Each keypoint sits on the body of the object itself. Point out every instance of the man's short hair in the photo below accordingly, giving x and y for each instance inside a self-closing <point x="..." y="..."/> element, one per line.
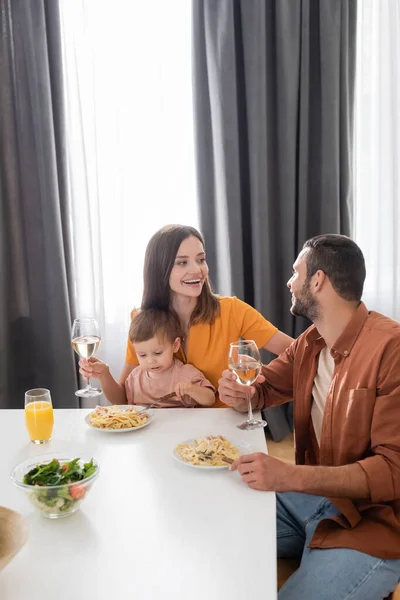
<point x="150" y="323"/>
<point x="341" y="260"/>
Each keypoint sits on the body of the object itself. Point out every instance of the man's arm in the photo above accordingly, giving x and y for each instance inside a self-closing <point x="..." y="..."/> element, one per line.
<point x="348" y="481"/>
<point x="263" y="472"/>
<point x="376" y="477"/>
<point x="273" y="387"/>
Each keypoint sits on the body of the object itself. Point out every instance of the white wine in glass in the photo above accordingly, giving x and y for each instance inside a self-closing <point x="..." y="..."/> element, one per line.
<point x="244" y="360"/>
<point x="85" y="341"/>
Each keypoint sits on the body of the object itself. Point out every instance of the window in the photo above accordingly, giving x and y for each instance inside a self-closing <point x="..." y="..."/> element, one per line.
<point x="127" y="71"/>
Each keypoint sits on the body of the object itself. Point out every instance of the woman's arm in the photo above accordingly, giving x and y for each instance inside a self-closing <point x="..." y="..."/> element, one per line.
<point x="126" y="369"/>
<point x="278" y="343"/>
<point x="113" y="391"/>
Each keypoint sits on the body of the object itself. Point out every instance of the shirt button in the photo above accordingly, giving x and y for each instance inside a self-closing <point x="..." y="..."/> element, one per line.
<point x="346" y="352"/>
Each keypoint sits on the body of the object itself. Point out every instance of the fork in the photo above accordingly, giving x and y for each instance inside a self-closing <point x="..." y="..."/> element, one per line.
<point x="205" y="455"/>
<point x="162" y="399"/>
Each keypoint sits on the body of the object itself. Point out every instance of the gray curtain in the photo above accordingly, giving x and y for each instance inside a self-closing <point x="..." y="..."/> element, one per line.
<point x="35" y="309"/>
<point x="274" y="88"/>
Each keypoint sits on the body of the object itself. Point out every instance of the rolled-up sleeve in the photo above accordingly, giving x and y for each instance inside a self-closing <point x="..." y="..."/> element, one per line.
<point x="380" y="478"/>
<point x="382" y="469"/>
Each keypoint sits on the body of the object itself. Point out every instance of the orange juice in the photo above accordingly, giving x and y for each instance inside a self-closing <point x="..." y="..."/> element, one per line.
<point x="39" y="420"/>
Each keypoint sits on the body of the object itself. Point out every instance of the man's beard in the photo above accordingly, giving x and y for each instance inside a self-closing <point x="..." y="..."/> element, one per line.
<point x="305" y="305"/>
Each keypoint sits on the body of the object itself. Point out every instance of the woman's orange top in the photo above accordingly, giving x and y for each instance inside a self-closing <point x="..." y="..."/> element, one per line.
<point x="208" y="344"/>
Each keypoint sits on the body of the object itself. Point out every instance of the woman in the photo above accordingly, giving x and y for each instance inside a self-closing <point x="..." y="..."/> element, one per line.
<point x="176" y="280"/>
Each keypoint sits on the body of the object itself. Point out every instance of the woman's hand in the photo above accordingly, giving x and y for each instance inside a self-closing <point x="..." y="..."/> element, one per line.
<point x="93" y="367"/>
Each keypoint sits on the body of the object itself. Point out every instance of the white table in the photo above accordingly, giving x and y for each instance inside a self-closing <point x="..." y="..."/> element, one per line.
<point x="150" y="528"/>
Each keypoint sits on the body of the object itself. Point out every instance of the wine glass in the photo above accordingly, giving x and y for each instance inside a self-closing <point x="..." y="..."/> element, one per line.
<point x="39" y="417"/>
<point x="244" y="360"/>
<point x="85" y="341"/>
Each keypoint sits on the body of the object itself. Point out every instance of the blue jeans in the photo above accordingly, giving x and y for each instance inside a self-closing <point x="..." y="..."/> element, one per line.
<point x="328" y="574"/>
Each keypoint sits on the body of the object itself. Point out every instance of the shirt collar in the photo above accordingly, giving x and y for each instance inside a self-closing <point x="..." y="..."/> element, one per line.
<point x="344" y="344"/>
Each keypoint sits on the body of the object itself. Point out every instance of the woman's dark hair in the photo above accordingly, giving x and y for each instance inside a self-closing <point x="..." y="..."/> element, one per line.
<point x="150" y="323"/>
<point x="159" y="259"/>
<point x="341" y="260"/>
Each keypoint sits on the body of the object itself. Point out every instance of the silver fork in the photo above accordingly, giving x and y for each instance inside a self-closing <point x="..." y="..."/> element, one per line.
<point x="205" y="455"/>
<point x="162" y="399"/>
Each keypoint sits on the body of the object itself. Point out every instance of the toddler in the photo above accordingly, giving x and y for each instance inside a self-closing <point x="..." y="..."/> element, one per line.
<point x="155" y="336"/>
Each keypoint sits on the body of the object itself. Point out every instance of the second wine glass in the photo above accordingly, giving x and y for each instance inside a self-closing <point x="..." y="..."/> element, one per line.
<point x="245" y="362"/>
<point x="85" y="341"/>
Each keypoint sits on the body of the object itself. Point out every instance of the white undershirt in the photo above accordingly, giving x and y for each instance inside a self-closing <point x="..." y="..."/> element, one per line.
<point x="322" y="381"/>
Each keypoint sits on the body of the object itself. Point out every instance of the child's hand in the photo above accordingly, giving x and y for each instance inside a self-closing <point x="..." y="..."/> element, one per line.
<point x="93" y="367"/>
<point x="183" y="388"/>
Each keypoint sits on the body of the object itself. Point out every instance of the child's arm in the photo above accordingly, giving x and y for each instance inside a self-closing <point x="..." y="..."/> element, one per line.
<point x="113" y="391"/>
<point x="202" y="395"/>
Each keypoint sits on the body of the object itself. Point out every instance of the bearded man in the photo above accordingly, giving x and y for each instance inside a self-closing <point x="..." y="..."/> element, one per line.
<point x="338" y="507"/>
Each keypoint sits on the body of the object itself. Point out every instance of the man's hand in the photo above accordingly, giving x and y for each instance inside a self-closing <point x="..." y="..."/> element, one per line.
<point x="263" y="472"/>
<point x="233" y="393"/>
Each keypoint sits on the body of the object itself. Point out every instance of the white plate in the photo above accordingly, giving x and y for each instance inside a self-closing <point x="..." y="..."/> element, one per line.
<point x="149" y="413"/>
<point x="241" y="446"/>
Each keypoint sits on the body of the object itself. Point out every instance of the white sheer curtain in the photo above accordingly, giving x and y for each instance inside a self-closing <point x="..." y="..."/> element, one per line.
<point x="127" y="69"/>
<point x="377" y="151"/>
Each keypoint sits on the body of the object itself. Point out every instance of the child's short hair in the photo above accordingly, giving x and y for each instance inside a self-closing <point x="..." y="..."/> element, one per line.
<point x="151" y="322"/>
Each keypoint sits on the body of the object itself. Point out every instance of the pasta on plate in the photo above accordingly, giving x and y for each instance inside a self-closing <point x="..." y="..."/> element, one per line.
<point x="116" y="417"/>
<point x="211" y="451"/>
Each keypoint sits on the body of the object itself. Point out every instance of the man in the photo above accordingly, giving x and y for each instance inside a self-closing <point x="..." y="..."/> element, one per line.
<point x="338" y="508"/>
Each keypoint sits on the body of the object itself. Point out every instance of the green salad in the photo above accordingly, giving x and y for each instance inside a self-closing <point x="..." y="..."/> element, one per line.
<point x="67" y="476"/>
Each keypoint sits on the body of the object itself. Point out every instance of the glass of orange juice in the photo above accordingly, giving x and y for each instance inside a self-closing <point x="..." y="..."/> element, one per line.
<point x="39" y="416"/>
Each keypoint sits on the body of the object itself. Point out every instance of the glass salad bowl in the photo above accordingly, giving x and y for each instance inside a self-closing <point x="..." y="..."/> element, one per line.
<point x="55" y="485"/>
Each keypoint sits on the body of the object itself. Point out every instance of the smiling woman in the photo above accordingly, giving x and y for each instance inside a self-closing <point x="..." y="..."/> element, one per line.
<point x="176" y="276"/>
<point x="176" y="281"/>
<point x="182" y="270"/>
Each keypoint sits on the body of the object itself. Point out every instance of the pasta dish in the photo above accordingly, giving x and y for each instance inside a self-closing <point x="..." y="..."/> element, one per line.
<point x="113" y="417"/>
<point x="208" y="451"/>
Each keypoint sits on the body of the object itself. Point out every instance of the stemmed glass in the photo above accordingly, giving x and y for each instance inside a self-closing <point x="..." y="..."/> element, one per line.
<point x="85" y="341"/>
<point x="244" y="360"/>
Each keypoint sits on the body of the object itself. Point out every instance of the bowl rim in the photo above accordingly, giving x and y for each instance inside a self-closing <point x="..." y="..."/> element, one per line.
<point x="43" y="458"/>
